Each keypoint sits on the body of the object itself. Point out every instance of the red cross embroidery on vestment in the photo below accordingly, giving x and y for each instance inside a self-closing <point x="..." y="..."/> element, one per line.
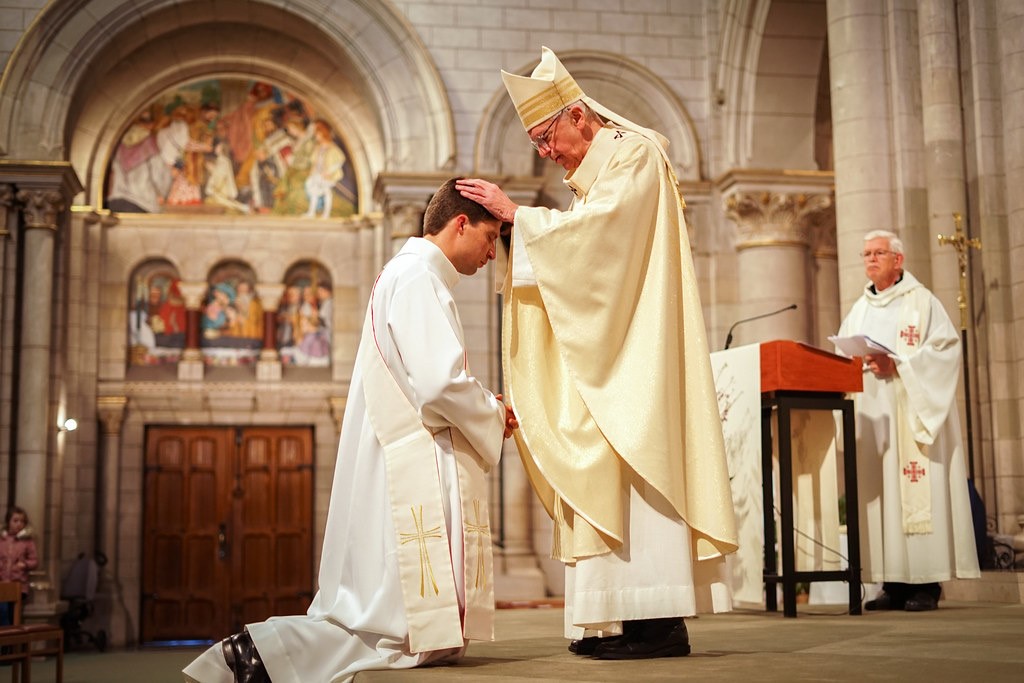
<point x="915" y="472"/>
<point x="911" y="335"/>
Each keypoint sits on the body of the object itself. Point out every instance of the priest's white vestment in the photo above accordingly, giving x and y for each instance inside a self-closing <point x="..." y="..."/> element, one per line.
<point x="608" y="371"/>
<point x="357" y="621"/>
<point x="915" y="514"/>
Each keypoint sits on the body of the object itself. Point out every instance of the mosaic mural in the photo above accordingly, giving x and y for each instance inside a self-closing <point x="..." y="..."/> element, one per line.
<point x="231" y="324"/>
<point x="305" y="316"/>
<point x="230" y="146"/>
<point x="156" y="316"/>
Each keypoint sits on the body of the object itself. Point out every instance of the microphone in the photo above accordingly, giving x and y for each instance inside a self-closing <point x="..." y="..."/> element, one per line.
<point x="728" y="337"/>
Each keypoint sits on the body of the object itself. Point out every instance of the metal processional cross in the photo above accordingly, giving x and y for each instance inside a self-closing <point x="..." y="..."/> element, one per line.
<point x="959" y="241"/>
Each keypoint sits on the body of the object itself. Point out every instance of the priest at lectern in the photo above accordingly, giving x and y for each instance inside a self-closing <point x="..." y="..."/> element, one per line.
<point x="915" y="515"/>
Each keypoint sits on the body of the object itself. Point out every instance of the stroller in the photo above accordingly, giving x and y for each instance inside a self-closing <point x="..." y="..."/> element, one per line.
<point x="79" y="590"/>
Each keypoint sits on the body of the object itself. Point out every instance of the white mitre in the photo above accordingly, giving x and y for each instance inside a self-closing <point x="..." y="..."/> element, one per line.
<point x="550" y="89"/>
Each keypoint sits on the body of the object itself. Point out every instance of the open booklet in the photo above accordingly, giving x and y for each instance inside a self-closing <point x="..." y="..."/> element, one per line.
<point x="859" y="345"/>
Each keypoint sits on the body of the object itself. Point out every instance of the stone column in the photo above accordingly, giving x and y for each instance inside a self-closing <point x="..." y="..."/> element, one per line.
<point x="44" y="191"/>
<point x="861" y="131"/>
<point x="190" y="367"/>
<point x="1008" y="405"/>
<point x="943" y="141"/>
<point x="35" y="427"/>
<point x="824" y="255"/>
<point x="110" y="411"/>
<point x="268" y="367"/>
<point x="776" y="213"/>
<point x="8" y="254"/>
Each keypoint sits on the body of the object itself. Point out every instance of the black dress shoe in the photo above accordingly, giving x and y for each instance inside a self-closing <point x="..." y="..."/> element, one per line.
<point x="652" y="638"/>
<point x="884" y="601"/>
<point x="585" y="646"/>
<point x="921" y="602"/>
<point x="243" y="659"/>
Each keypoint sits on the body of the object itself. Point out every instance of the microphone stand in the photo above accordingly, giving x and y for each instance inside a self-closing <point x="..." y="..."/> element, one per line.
<point x="728" y="337"/>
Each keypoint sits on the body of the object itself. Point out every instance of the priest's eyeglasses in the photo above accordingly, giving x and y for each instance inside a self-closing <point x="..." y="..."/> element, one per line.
<point x="542" y="139"/>
<point x="877" y="253"/>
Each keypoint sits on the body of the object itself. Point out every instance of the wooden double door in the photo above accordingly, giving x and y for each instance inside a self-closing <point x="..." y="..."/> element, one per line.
<point x="227" y="522"/>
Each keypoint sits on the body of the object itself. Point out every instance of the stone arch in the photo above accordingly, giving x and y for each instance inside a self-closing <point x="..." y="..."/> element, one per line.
<point x="74" y="79"/>
<point x="136" y="265"/>
<point x="773" y="56"/>
<point x="616" y="82"/>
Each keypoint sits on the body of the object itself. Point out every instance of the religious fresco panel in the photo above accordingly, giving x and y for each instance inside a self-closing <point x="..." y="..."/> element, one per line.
<point x="156" y="315"/>
<point x="305" y="317"/>
<point x="231" y="324"/>
<point x="231" y="146"/>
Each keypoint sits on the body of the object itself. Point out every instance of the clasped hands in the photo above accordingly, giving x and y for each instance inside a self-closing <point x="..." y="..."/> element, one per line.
<point x="510" y="418"/>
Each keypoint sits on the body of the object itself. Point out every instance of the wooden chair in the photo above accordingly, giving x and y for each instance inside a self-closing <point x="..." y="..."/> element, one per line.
<point x="19" y="638"/>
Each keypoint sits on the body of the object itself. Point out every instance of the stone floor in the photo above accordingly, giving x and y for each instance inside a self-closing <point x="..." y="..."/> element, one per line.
<point x="962" y="641"/>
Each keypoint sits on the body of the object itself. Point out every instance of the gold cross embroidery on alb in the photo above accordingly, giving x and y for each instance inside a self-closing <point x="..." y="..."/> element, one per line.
<point x="481" y="530"/>
<point x="421" y="536"/>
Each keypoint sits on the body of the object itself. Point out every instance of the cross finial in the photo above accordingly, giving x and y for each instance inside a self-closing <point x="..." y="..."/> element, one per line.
<point x="959" y="241"/>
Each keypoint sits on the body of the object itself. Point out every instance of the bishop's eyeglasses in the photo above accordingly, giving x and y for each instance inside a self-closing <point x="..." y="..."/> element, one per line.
<point x="875" y="253"/>
<point x="542" y="139"/>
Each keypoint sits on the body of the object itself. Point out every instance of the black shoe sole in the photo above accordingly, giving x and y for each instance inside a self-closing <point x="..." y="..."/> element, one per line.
<point x="679" y="650"/>
<point x="585" y="647"/>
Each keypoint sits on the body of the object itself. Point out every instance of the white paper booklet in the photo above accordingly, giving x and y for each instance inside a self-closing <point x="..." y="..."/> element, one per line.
<point x="860" y="345"/>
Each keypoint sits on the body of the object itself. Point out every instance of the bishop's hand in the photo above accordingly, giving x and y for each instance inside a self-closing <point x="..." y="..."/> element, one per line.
<point x="489" y="196"/>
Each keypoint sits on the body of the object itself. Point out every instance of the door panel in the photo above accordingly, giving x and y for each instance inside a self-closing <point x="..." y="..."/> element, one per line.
<point x="227" y="529"/>
<point x="275" y="523"/>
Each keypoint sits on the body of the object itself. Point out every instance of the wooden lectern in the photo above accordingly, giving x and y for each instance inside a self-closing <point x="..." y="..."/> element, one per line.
<point x="795" y="376"/>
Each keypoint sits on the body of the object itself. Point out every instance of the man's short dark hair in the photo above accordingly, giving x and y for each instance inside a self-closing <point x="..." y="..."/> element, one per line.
<point x="446" y="204"/>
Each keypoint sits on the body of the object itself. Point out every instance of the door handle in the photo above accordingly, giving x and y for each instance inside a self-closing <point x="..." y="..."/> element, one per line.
<point x="222" y="541"/>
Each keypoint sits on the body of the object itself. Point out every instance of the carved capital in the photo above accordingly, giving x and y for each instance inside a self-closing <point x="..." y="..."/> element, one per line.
<point x="405" y="219"/>
<point x="192" y="293"/>
<point x="269" y="294"/>
<point x="110" y="411"/>
<point x="41" y="207"/>
<point x="403" y="198"/>
<point x="776" y="218"/>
